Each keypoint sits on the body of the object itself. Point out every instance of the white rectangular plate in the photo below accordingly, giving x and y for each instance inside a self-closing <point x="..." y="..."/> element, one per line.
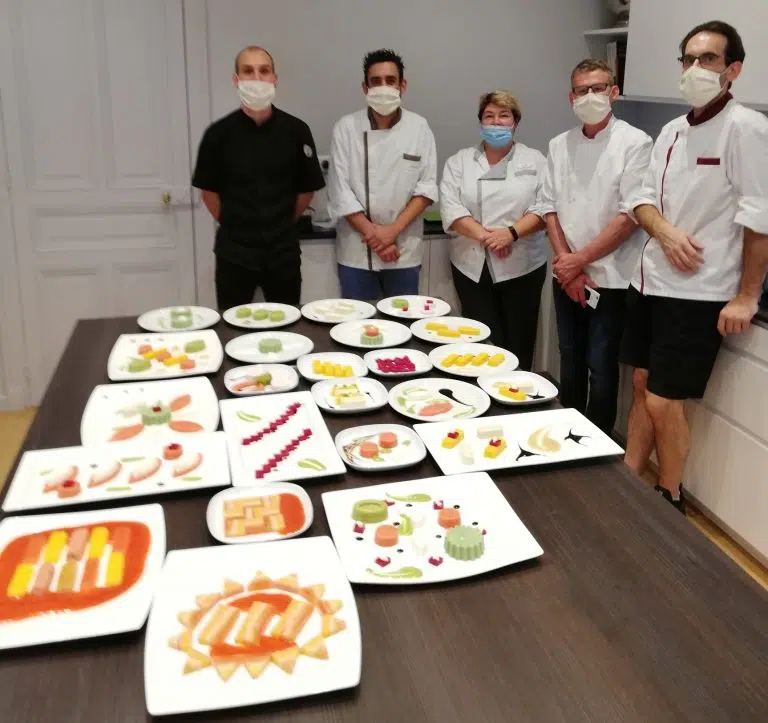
<point x="251" y="416"/>
<point x="126" y="351"/>
<point x="415" y="509"/>
<point x="111" y="472"/>
<point x="532" y="438"/>
<point x="291" y="567"/>
<point x="123" y="612"/>
<point x="122" y="412"/>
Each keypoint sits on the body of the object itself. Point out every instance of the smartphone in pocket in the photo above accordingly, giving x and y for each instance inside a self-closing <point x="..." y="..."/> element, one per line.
<point x="593" y="296"/>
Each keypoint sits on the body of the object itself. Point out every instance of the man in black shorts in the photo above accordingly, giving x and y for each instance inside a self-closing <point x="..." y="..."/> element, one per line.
<point x="258" y="170"/>
<point x="704" y="206"/>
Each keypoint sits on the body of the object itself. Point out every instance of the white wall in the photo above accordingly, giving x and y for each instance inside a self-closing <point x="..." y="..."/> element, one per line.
<point x="453" y="50"/>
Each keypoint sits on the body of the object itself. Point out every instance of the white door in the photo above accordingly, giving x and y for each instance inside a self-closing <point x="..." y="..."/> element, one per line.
<point x="95" y="116"/>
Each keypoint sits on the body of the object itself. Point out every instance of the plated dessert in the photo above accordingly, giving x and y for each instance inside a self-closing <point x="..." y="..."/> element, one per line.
<point x="413" y="307"/>
<point x="379" y="333"/>
<point x="436" y="399"/>
<point x="262" y="315"/>
<point x="379" y="447"/>
<point x="335" y="311"/>
<point x="178" y="318"/>
<point x="261" y="379"/>
<point x="349" y="395"/>
<point x="472" y="360"/>
<point x="331" y="365"/>
<point x="450" y="330"/>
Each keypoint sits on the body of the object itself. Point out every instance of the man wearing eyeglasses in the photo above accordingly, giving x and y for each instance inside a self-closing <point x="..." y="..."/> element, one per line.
<point x="704" y="207"/>
<point x="594" y="175"/>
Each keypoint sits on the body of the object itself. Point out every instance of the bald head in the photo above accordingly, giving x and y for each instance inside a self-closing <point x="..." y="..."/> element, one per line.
<point x="256" y="57"/>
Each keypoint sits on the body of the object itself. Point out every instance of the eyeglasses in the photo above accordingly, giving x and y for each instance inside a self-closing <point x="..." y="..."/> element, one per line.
<point x="706" y="60"/>
<point x="582" y="90"/>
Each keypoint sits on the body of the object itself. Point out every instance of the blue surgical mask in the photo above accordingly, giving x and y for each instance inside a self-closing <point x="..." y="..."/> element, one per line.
<point x="497" y="136"/>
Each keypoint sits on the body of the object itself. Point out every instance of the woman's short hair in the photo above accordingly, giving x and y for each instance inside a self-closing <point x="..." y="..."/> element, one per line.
<point x="503" y="99"/>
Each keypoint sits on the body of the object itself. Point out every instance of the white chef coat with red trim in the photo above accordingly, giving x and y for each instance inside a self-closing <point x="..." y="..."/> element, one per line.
<point x="709" y="177"/>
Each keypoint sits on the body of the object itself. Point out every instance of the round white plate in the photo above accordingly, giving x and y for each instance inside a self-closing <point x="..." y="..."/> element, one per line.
<point x="349" y="333"/>
<point x="417" y="307"/>
<point x="420" y="361"/>
<point x="410" y="398"/>
<point x="438" y="355"/>
<point x="304" y="364"/>
<point x="292" y="314"/>
<point x="410" y="449"/>
<point x="538" y="390"/>
<point x="374" y="393"/>
<point x="246" y="348"/>
<point x="420" y="330"/>
<point x="284" y="378"/>
<point x="334" y="311"/>
<point x="159" y="320"/>
<point x="214" y="515"/>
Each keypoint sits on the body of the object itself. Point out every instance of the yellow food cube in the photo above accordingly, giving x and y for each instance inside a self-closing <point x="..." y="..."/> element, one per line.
<point x="469" y="330"/>
<point x="115" y="569"/>
<point x="492" y="451"/>
<point x="337" y="370"/>
<point x="347" y="372"/>
<point x="154" y="353"/>
<point x="328" y="369"/>
<point x="98" y="541"/>
<point x="317" y="366"/>
<point x="435" y="326"/>
<point x="170" y="361"/>
<point x="449" y="361"/>
<point x="449" y="333"/>
<point x="479" y="360"/>
<point x="495" y="360"/>
<point x="453" y="438"/>
<point x="464" y="359"/>
<point x="56" y="544"/>
<point x="22" y="577"/>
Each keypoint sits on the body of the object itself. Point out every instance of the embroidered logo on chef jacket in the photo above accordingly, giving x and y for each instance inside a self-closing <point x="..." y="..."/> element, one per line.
<point x="307" y="151"/>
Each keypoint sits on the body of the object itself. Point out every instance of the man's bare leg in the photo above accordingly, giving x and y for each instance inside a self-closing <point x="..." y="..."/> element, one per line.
<point x="640" y="437"/>
<point x="673" y="439"/>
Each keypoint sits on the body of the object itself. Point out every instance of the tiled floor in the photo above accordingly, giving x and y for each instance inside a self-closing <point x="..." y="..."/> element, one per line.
<point x="14" y="426"/>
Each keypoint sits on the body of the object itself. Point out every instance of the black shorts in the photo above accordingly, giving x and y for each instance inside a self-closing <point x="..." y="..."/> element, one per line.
<point x="676" y="340"/>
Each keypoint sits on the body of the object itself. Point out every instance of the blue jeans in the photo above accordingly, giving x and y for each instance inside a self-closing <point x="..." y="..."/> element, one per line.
<point x="590" y="340"/>
<point x="366" y="285"/>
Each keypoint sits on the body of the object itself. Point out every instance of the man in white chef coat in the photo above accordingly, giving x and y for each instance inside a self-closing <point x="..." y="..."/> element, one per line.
<point x="704" y="207"/>
<point x="594" y="175"/>
<point x="383" y="176"/>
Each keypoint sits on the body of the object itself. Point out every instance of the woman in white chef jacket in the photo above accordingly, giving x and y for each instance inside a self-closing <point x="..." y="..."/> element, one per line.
<point x="499" y="253"/>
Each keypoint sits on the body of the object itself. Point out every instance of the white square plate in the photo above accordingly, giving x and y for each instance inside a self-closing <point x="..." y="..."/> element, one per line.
<point x="110" y="472"/>
<point x="416" y="515"/>
<point x="106" y="610"/>
<point x="161" y="410"/>
<point x="128" y="350"/>
<point x="371" y="394"/>
<point x="529" y="439"/>
<point x="249" y="417"/>
<point x="203" y="585"/>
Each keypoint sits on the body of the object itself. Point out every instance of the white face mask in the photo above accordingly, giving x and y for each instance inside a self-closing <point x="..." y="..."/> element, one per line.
<point x="383" y="99"/>
<point x="592" y="107"/>
<point x="256" y="94"/>
<point x="700" y="86"/>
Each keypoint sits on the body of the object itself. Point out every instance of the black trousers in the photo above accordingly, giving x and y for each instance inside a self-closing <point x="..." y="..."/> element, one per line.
<point x="510" y="308"/>
<point x="236" y="285"/>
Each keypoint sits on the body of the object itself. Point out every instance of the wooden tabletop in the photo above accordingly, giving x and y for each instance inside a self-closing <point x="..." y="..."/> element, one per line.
<point x="630" y="615"/>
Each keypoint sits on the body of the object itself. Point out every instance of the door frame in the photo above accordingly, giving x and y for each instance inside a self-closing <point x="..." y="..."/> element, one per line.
<point x="14" y="382"/>
<point x="200" y="112"/>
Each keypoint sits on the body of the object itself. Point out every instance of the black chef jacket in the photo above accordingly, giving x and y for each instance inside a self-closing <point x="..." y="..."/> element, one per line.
<point x="258" y="170"/>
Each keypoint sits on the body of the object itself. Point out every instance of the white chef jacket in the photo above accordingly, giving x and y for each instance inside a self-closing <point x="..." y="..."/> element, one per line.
<point x="495" y="196"/>
<point x="588" y="182"/>
<point x="377" y="172"/>
<point x="709" y="177"/>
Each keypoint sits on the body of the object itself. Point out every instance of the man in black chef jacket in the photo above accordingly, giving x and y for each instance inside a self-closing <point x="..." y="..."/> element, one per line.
<point x="257" y="169"/>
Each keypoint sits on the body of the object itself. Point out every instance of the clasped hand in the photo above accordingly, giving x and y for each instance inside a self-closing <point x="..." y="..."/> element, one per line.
<point x="498" y="241"/>
<point x="382" y="240"/>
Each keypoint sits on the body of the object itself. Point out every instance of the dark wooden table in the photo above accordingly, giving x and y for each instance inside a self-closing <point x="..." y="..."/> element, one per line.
<point x="630" y="615"/>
